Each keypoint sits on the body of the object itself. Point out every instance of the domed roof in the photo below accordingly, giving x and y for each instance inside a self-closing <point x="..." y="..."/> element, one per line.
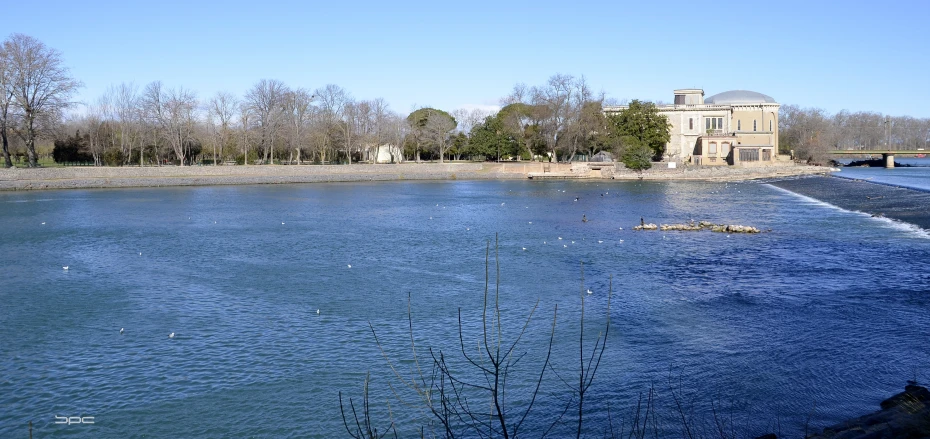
<point x="736" y="97"/>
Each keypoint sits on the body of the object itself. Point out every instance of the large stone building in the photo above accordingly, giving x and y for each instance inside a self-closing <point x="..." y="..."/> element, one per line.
<point x="737" y="127"/>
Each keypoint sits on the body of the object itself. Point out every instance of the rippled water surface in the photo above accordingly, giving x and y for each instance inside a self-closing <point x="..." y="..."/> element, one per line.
<point x="825" y="315"/>
<point x="915" y="174"/>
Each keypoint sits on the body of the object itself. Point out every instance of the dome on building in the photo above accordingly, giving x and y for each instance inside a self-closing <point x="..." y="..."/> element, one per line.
<point x="737" y="97"/>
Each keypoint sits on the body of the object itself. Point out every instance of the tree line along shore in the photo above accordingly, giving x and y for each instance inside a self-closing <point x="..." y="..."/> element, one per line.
<point x="116" y="177"/>
<point x="273" y="123"/>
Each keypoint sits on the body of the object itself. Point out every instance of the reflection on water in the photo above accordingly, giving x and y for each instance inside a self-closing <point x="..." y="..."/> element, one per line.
<point x="830" y="309"/>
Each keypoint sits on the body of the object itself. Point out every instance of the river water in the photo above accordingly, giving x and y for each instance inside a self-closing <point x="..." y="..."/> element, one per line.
<point x="808" y="324"/>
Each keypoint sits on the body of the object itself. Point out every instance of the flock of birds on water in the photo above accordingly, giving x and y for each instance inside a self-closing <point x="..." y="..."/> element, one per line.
<point x="576" y="199"/>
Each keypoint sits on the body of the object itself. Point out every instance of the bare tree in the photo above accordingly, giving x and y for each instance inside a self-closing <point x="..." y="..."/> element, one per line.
<point x="468" y="393"/>
<point x="557" y="99"/>
<point x="42" y="86"/>
<point x="222" y="110"/>
<point x="337" y="108"/>
<point x="177" y="120"/>
<point x="124" y="102"/>
<point x="266" y="101"/>
<point x="153" y="113"/>
<point x="6" y="100"/>
<point x="437" y="129"/>
<point x="245" y="124"/>
<point x="298" y="112"/>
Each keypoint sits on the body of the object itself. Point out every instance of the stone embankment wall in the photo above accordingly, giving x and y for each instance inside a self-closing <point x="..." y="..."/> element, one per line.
<point x="111" y="177"/>
<point x="116" y="177"/>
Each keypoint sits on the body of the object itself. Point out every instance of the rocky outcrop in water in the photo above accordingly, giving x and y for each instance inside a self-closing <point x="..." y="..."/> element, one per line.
<point x="903" y="416"/>
<point x="695" y="227"/>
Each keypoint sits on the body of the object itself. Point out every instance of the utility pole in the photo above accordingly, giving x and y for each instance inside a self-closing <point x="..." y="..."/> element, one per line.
<point x="887" y="142"/>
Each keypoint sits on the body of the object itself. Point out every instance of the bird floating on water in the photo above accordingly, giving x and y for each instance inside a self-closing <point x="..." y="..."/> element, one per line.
<point x="560" y="238"/>
<point x="65" y="267"/>
<point x="590" y="292"/>
<point x="563" y="245"/>
<point x="599" y="241"/>
<point x="524" y="248"/>
<point x="121" y="331"/>
<point x="171" y="335"/>
<point x="350" y="265"/>
<point x="317" y="311"/>
<point x="43" y="223"/>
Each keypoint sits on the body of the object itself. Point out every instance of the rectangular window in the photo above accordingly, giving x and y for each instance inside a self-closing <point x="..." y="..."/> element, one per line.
<point x="719" y="123"/>
<point x="707" y="122"/>
<point x="770" y="125"/>
<point x="712" y="148"/>
<point x="749" y="155"/>
<point x="753" y="124"/>
<point x="739" y="125"/>
<point x="690" y="123"/>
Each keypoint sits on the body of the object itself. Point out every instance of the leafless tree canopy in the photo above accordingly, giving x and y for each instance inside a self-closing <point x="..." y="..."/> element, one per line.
<point x="811" y="132"/>
<point x="38" y="85"/>
<point x="273" y="123"/>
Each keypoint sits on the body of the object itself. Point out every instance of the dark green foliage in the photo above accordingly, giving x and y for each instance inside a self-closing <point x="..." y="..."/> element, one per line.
<point x="459" y="145"/>
<point x="520" y="122"/>
<point x="113" y="157"/>
<point x="72" y="149"/>
<point x="418" y="118"/>
<point x="491" y="139"/>
<point x="636" y="155"/>
<point x="642" y="121"/>
<point x="253" y="156"/>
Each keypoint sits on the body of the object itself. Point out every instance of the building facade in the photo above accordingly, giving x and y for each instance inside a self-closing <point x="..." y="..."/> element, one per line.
<point x="737" y="127"/>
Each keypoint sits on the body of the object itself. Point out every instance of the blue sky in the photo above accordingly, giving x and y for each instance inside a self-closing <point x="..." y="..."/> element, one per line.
<point x="851" y="55"/>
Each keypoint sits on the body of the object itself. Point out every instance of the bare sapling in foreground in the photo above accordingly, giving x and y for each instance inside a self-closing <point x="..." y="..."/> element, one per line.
<point x="492" y="385"/>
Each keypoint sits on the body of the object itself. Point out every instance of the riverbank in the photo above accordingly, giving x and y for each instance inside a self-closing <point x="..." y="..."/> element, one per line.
<point x="122" y="177"/>
<point x="905" y="415"/>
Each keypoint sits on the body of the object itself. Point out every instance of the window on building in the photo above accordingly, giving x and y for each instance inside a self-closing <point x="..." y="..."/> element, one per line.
<point x="770" y="125"/>
<point x="690" y="123"/>
<point x="713" y="123"/>
<point x="754" y="125"/>
<point x="739" y="125"/>
<point x="712" y="148"/>
<point x="724" y="149"/>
